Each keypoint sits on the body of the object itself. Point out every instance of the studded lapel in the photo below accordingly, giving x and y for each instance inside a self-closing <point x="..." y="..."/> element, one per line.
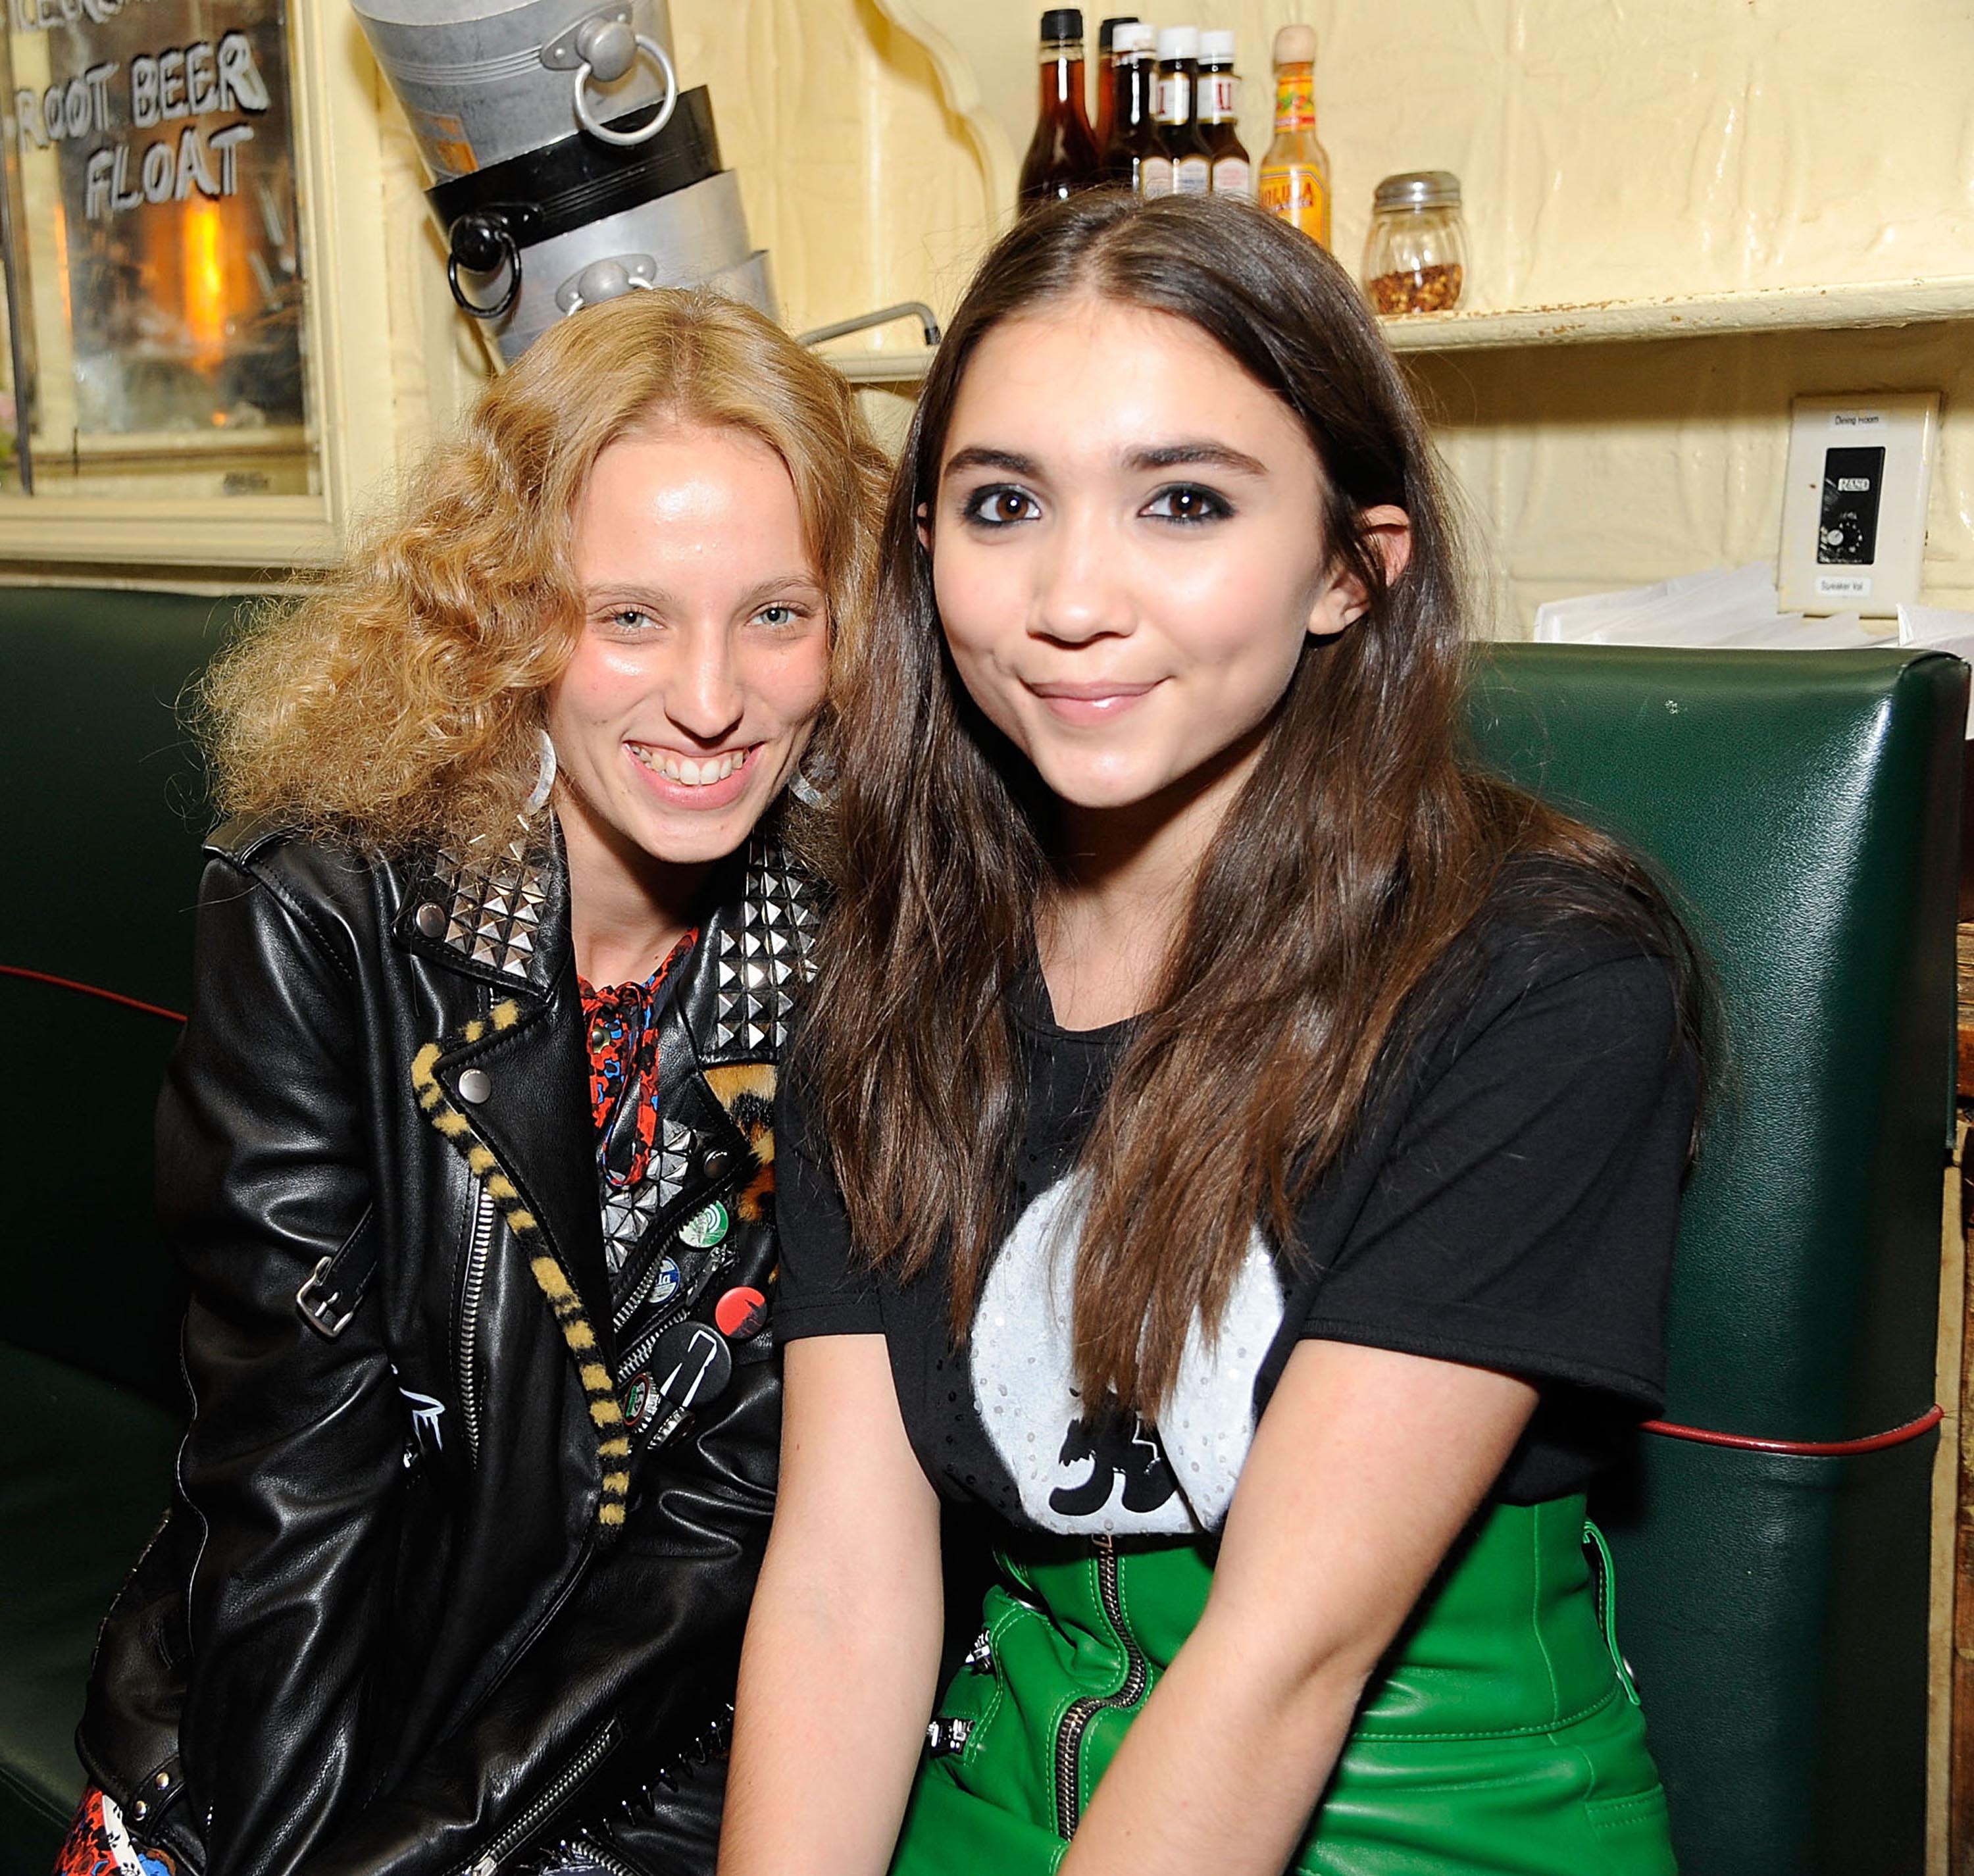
<point x="504" y="920"/>
<point x="501" y="916"/>
<point x="760" y="959"/>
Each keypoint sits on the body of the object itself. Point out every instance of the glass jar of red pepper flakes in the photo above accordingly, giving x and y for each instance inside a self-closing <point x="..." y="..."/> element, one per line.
<point x="1415" y="258"/>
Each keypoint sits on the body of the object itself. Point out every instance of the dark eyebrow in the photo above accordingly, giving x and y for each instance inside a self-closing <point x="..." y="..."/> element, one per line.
<point x="980" y="456"/>
<point x="1183" y="455"/>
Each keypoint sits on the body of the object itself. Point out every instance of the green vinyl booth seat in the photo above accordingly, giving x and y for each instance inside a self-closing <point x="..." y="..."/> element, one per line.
<point x="1803" y="809"/>
<point x="102" y="874"/>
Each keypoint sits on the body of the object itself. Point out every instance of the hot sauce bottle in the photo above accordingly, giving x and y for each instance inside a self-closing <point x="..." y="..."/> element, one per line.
<point x="1231" y="175"/>
<point x="1295" y="173"/>
<point x="1062" y="155"/>
<point x="1106" y="48"/>
<point x="1134" y="125"/>
<point x="1184" y="165"/>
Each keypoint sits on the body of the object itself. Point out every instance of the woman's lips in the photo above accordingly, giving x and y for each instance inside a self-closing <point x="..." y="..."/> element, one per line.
<point x="1095" y="701"/>
<point x="701" y="796"/>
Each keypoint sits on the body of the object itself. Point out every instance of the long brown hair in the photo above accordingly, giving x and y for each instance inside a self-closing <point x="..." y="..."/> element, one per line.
<point x="399" y="702"/>
<point x="1358" y="849"/>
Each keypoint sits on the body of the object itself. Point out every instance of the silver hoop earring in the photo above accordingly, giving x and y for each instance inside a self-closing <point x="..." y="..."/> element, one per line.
<point x="815" y="792"/>
<point x="544" y="777"/>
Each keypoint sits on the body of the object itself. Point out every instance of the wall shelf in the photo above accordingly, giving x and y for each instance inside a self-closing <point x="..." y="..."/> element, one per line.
<point x="1775" y="308"/>
<point x="1604" y="322"/>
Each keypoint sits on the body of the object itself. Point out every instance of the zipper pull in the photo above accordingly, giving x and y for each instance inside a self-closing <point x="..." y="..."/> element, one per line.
<point x="945" y="1737"/>
<point x="1607" y="1606"/>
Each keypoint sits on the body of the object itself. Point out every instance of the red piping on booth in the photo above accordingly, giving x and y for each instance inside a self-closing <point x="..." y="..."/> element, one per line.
<point x="83" y="989"/>
<point x="1802" y="1449"/>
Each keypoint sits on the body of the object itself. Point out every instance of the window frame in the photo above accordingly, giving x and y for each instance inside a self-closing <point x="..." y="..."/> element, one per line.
<point x="339" y="164"/>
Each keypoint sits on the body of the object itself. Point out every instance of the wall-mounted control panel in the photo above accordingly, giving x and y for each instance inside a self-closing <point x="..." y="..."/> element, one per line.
<point x="1853" y="514"/>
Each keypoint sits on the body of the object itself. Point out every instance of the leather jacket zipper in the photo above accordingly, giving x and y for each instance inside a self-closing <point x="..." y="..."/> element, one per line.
<point x="553" y="1796"/>
<point x="632" y="1358"/>
<point x="1076" y="1720"/>
<point x="663" y="1232"/>
<point x="474" y="1283"/>
<point x="602" y="1855"/>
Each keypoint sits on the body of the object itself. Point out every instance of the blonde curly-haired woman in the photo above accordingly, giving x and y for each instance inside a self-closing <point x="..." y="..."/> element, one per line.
<point x="468" y="1151"/>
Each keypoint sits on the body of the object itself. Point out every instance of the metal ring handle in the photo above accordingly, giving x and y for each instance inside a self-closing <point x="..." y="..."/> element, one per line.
<point x="510" y="259"/>
<point x="604" y="280"/>
<point x="644" y="133"/>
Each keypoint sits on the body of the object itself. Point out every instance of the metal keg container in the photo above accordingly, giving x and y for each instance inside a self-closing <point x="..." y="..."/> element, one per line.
<point x="483" y="80"/>
<point x="568" y="166"/>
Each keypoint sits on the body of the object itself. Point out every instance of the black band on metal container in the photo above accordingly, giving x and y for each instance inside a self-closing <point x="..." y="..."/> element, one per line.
<point x="576" y="180"/>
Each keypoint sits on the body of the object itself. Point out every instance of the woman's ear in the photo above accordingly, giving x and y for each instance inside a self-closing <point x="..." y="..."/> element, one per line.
<point x="1387" y="531"/>
<point x="925" y="526"/>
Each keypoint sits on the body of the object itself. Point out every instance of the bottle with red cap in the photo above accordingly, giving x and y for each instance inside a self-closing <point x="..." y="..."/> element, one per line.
<point x="1062" y="155"/>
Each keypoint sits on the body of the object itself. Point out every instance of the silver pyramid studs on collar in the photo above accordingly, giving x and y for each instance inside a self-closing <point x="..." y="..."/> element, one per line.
<point x="763" y="955"/>
<point x="629" y="1215"/>
<point x="493" y="906"/>
<point x="673" y="1159"/>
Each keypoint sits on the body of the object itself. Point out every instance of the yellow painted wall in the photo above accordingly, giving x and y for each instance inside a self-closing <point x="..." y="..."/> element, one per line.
<point x="856" y="176"/>
<point x="1611" y="149"/>
<point x="1608" y="147"/>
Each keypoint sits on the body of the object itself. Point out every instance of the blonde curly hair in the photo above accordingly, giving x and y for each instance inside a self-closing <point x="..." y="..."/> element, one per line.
<point x="397" y="704"/>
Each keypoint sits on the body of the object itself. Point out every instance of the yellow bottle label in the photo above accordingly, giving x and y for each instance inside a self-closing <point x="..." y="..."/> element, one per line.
<point x="1297" y="196"/>
<point x="1295" y="97"/>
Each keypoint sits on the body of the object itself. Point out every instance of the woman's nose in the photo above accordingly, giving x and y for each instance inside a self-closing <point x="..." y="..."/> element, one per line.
<point x="1081" y="591"/>
<point x="707" y="698"/>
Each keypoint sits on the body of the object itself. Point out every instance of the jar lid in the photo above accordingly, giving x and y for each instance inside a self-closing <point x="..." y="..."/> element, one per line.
<point x="1106" y="33"/>
<point x="1216" y="45"/>
<point x="1418" y="188"/>
<point x="1061" y="23"/>
<point x="1178" y="42"/>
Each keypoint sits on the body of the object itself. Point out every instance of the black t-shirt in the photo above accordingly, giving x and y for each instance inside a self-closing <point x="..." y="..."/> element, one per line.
<point x="1509" y="1199"/>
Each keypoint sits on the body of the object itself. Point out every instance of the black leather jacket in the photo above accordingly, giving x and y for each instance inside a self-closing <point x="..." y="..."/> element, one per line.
<point x="425" y="1602"/>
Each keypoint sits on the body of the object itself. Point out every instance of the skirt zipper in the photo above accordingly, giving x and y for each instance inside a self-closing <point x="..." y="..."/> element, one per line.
<point x="557" y="1792"/>
<point x="475" y="1283"/>
<point x="1076" y="1720"/>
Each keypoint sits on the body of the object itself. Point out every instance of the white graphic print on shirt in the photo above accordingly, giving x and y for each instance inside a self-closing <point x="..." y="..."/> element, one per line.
<point x="1117" y="1475"/>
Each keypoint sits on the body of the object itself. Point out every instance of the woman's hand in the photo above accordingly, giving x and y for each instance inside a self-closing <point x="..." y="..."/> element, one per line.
<point x="838" y="1673"/>
<point x="1366" y="1467"/>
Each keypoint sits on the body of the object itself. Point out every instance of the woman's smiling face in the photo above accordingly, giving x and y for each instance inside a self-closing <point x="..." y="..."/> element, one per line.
<point x="704" y="657"/>
<point x="1127" y="549"/>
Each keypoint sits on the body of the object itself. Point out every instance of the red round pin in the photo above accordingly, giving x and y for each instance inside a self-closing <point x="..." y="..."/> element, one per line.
<point x="741" y="1312"/>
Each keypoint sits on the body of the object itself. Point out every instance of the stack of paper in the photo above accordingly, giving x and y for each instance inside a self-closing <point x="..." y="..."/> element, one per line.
<point x="1737" y="608"/>
<point x="1723" y="606"/>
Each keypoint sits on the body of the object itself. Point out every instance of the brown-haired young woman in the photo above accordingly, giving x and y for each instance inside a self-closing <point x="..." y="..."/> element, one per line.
<point x="1236" y="1144"/>
<point x="467" y="1150"/>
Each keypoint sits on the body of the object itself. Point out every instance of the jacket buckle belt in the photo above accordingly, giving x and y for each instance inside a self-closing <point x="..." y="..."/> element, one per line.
<point x="316" y="1303"/>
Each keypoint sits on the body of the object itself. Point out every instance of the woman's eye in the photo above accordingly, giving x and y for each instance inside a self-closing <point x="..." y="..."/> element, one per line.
<point x="628" y="619"/>
<point x="1188" y="503"/>
<point x="779" y="615"/>
<point x="1001" y="507"/>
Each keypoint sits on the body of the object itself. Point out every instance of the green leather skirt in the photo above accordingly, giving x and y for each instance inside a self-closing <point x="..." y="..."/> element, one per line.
<point x="1501" y="1735"/>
